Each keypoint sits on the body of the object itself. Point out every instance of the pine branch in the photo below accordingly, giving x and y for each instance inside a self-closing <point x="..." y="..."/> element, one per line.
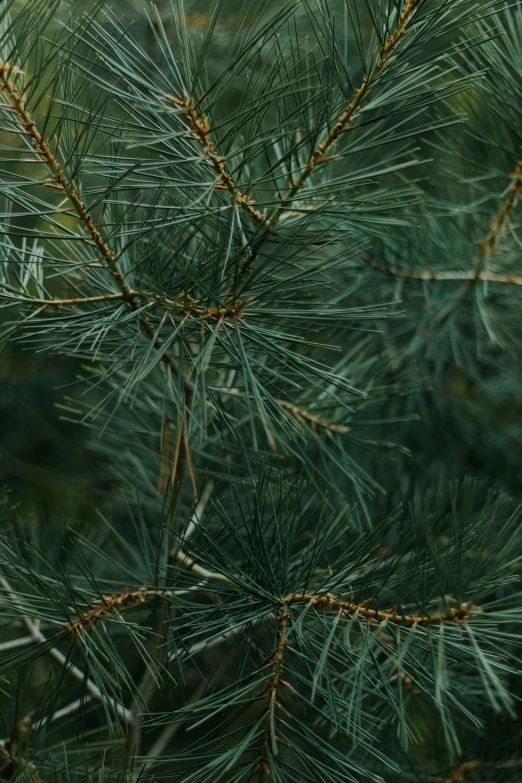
<point x="184" y="304"/>
<point x="128" y="294"/>
<point x="342" y="124"/>
<point x="200" y="130"/>
<point x="459" y="614"/>
<point x="442" y="617"/>
<point x="190" y="307"/>
<point x="71" y="192"/>
<point x="433" y="274"/>
<point x="346" y="119"/>
<point x="113" y="604"/>
<point x="487" y="251"/>
<point x="62" y="182"/>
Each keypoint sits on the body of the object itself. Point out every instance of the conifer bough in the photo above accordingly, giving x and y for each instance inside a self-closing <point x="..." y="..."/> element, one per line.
<point x="279" y="244"/>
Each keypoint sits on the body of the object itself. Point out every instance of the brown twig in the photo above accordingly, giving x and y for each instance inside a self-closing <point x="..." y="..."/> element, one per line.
<point x="185" y="304"/>
<point x="200" y="130"/>
<point x="459" y="614"/>
<point x="432" y="274"/>
<point x="114" y="603"/>
<point x="192" y="308"/>
<point x="269" y="737"/>
<point x="108" y="605"/>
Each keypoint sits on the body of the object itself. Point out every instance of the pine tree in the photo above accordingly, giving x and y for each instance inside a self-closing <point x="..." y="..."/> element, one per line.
<point x="279" y="244"/>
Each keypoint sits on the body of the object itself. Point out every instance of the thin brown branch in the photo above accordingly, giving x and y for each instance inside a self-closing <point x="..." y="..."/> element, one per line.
<point x="192" y="308"/>
<point x="459" y="614"/>
<point x="490" y="246"/>
<point x="184" y="304"/>
<point x="107" y="605"/>
<point x="112" y="604"/>
<point x="269" y="740"/>
<point x="200" y="130"/>
<point x="432" y="274"/>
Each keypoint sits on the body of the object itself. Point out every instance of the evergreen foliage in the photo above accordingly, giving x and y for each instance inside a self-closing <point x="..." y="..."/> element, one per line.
<point x="281" y="242"/>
